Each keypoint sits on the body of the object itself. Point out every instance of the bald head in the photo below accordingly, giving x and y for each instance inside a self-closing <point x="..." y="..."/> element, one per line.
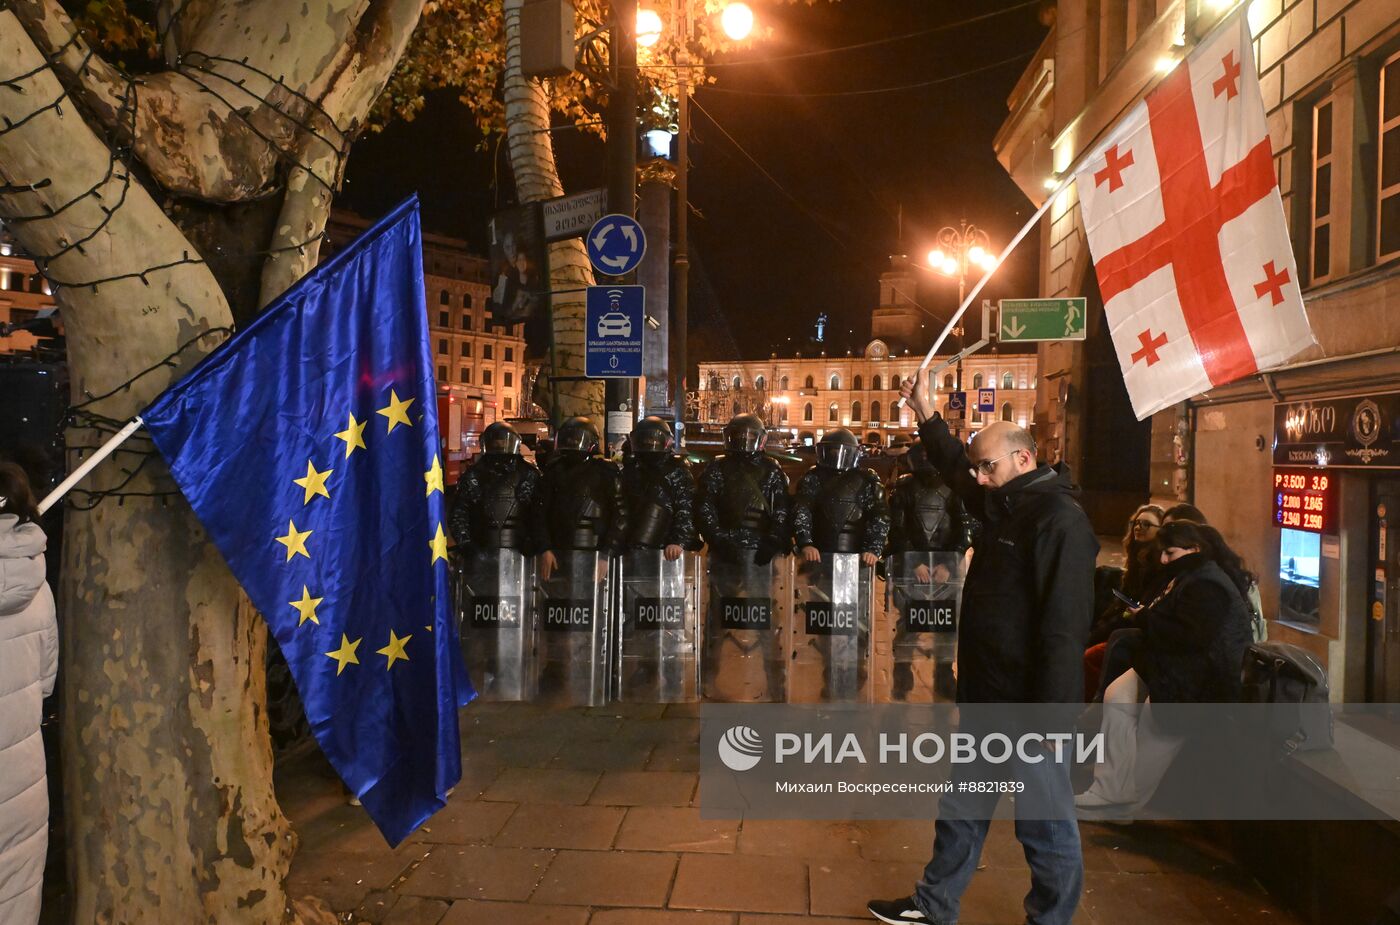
<point x="1000" y="452"/>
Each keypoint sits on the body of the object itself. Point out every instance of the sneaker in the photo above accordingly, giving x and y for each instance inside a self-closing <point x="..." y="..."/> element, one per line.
<point x="897" y="911"/>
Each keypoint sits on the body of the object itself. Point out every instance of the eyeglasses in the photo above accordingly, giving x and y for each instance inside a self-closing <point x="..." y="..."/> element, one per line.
<point x="986" y="466"/>
<point x="1147" y="524"/>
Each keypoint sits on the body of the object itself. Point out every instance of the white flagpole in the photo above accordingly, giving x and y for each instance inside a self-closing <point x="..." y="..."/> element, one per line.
<point x="90" y="463"/>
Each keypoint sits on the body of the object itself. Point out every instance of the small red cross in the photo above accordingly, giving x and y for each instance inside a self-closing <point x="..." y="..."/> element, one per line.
<point x="1149" y="347"/>
<point x="1274" y="281"/>
<point x="1228" y="83"/>
<point x="1113" y="168"/>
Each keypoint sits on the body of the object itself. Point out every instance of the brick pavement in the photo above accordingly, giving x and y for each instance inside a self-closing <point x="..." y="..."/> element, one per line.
<point x="587" y="817"/>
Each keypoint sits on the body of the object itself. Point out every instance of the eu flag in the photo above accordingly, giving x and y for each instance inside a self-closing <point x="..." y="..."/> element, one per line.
<point x="308" y="447"/>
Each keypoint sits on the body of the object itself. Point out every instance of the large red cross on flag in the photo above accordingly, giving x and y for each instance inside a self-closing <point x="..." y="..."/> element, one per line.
<point x="1187" y="231"/>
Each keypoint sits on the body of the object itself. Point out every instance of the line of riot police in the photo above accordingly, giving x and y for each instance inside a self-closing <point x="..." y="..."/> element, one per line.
<point x="584" y="582"/>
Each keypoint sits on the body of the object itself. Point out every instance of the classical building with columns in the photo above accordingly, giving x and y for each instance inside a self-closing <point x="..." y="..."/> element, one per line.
<point x="805" y="396"/>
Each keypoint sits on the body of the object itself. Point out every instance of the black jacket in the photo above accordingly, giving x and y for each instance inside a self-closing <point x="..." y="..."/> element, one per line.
<point x="921" y="497"/>
<point x="868" y="523"/>
<point x="494" y="506"/>
<point x="659" y="491"/>
<point x="1028" y="597"/>
<point x="1194" y="635"/>
<point x="744" y="505"/>
<point x="580" y="505"/>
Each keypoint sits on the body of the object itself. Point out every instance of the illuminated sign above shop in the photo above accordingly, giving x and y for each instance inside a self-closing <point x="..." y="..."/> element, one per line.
<point x="1356" y="432"/>
<point x="1303" y="500"/>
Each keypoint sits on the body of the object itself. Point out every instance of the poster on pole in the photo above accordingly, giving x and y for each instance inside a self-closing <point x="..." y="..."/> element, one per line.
<point x="519" y="267"/>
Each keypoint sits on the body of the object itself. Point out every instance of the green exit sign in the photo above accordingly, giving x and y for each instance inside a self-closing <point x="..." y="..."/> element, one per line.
<point x="1042" y="319"/>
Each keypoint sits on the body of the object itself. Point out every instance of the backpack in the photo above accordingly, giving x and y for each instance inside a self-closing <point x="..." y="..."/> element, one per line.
<point x="1296" y="684"/>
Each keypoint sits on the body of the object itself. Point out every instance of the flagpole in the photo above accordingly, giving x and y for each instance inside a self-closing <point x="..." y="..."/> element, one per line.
<point x="90" y="463"/>
<point x="1096" y="148"/>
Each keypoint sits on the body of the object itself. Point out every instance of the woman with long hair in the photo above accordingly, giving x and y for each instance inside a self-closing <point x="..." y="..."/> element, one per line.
<point x="1194" y="636"/>
<point x="29" y="664"/>
<point x="1139" y="574"/>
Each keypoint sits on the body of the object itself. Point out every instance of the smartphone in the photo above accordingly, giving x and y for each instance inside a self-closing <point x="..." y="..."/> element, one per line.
<point x="1125" y="599"/>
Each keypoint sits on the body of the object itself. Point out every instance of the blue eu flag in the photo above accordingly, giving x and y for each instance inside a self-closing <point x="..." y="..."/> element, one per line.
<point x="308" y="447"/>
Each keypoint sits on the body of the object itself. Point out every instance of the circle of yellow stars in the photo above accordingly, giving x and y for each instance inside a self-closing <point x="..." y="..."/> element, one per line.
<point x="314" y="484"/>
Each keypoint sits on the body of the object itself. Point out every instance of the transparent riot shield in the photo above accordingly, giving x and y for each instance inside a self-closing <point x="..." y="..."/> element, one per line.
<point x="919" y="639"/>
<point x="657" y="608"/>
<point x="747" y="610"/>
<point x="572" y="619"/>
<point x="493" y="598"/>
<point x="831" y="630"/>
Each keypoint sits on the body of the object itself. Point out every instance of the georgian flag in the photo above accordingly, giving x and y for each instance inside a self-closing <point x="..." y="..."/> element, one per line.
<point x="1187" y="231"/>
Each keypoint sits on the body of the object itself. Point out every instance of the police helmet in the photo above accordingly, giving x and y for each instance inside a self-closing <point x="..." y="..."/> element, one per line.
<point x="838" y="449"/>
<point x="652" y="435"/>
<point x="745" y="433"/>
<point x="500" y="439"/>
<point x="577" y="435"/>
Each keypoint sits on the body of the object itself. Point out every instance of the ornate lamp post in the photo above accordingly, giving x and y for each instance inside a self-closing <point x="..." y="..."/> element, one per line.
<point x="957" y="251"/>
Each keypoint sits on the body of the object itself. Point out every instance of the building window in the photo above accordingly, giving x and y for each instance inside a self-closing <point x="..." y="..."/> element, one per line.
<point x="809" y="384"/>
<point x="1388" y="172"/>
<point x="1006" y="411"/>
<point x="736" y="383"/>
<point x="442" y="345"/>
<point x="833" y="413"/>
<point x="507" y="400"/>
<point x="782" y="414"/>
<point x="466" y="348"/>
<point x="855" y="411"/>
<point x="466" y="300"/>
<point x="486" y="351"/>
<point x="444" y="319"/>
<point x="1007" y="382"/>
<point x="807" y="412"/>
<point x="442" y="374"/>
<point x="465" y="374"/>
<point x="894" y="412"/>
<point x="759" y="382"/>
<point x="857" y="384"/>
<point x="444" y="297"/>
<point x="835" y="382"/>
<point x="1320" y="218"/>
<point x="977" y="381"/>
<point x="486" y="377"/>
<point x="977" y="417"/>
<point x="894" y="383"/>
<point x="506" y="379"/>
<point x="714" y="382"/>
<point x="782" y="383"/>
<point x="948" y="381"/>
<point x="875" y="411"/>
<point x="875" y="384"/>
<point x="466" y="321"/>
<point x="510" y="354"/>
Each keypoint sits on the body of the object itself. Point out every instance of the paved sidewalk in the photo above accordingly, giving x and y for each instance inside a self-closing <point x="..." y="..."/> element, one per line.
<point x="586" y="817"/>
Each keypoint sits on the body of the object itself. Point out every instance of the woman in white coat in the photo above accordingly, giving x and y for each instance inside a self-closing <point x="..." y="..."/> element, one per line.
<point x="28" y="664"/>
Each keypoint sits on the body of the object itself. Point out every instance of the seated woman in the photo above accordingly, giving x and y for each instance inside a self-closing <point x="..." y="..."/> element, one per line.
<point x="1140" y="568"/>
<point x="1194" y="635"/>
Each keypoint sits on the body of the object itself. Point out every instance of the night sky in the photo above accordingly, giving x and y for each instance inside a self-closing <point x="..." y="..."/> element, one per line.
<point x="768" y="255"/>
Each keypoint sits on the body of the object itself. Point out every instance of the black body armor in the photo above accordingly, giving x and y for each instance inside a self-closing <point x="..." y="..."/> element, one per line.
<point x="841" y="511"/>
<point x="581" y="504"/>
<point x="492" y="509"/>
<point x="744" y="505"/>
<point x="926" y="515"/>
<point x="660" y="495"/>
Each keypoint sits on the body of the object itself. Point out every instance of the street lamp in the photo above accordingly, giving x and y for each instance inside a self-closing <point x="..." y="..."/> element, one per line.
<point x="955" y="252"/>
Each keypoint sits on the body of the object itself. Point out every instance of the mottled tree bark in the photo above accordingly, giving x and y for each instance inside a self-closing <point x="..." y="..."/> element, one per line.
<point x="537" y="178"/>
<point x="167" y="761"/>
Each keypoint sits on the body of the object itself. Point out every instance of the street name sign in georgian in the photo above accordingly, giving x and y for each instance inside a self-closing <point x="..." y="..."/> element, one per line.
<point x="616" y="244"/>
<point x="1025" y="320"/>
<point x="572" y="216"/>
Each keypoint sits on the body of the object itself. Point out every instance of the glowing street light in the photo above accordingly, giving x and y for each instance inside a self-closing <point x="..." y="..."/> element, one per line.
<point x="957" y="251"/>
<point x="648" y="27"/>
<point x="737" y="21"/>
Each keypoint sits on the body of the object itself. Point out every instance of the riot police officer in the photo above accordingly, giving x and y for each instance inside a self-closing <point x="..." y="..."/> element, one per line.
<point x="582" y="520"/>
<point x="659" y="490"/>
<point x="493" y="506"/>
<point x="926" y="517"/>
<point x="743" y="514"/>
<point x="839" y="507"/>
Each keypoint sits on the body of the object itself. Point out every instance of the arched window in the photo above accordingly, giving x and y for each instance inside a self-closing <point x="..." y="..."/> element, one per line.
<point x="809" y="383"/>
<point x="977" y="381"/>
<point x="875" y="411"/>
<point x="807" y="412"/>
<point x="833" y="413"/>
<point x="782" y="413"/>
<point x="736" y="383"/>
<point x="948" y="381"/>
<point x="855" y="411"/>
<point x="875" y="383"/>
<point x="1006" y="409"/>
<point x="857" y="384"/>
<point x="1007" y="383"/>
<point x="466" y="300"/>
<point x="714" y="382"/>
<point x="759" y="382"/>
<point x="782" y="383"/>
<point x="894" y="412"/>
<point x="894" y="383"/>
<point x="835" y="382"/>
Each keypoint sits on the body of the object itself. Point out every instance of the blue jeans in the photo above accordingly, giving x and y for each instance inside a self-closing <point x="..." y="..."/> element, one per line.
<point x="1050" y="840"/>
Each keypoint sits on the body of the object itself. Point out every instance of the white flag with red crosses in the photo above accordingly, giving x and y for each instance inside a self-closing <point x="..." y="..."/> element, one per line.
<point x="1187" y="231"/>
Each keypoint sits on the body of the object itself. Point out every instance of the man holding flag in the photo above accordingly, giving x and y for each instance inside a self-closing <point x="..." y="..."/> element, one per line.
<point x="308" y="447"/>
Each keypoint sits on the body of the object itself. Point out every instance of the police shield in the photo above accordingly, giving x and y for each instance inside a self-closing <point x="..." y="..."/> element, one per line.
<point x="657" y="608"/>
<point x="918" y="635"/>
<point x="571" y="618"/>
<point x="747" y="608"/>
<point x="831" y="631"/>
<point x="494" y="607"/>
